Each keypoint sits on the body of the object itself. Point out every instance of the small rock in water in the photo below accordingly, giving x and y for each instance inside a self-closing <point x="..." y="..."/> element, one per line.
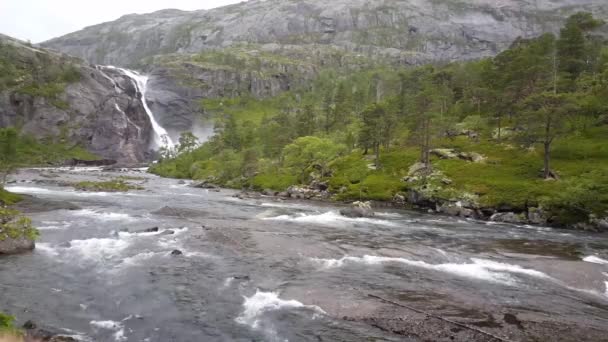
<point x="151" y="230"/>
<point x="241" y="277"/>
<point x="181" y="182"/>
<point x="64" y="245"/>
<point x="29" y="325"/>
<point x="167" y="232"/>
<point x="358" y="210"/>
<point x="177" y="252"/>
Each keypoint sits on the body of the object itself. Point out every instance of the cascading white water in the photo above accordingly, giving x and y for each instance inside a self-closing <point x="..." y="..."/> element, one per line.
<point x="161" y="137"/>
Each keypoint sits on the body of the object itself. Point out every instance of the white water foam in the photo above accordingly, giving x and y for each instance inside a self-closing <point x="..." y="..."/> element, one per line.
<point x="70" y="169"/>
<point x="595" y="260"/>
<point x="96" y="249"/>
<point x="53" y="225"/>
<point x="137" y="259"/>
<point x="32" y="190"/>
<point x="329" y="218"/>
<point x="261" y="302"/>
<point x="388" y="215"/>
<point x="103" y="216"/>
<point x="46" y="248"/>
<point x="117" y="327"/>
<point x="480" y="269"/>
<point x="28" y="190"/>
<point x="284" y="205"/>
<point x="228" y="281"/>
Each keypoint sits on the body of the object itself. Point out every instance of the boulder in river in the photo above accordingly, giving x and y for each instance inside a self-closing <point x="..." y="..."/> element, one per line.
<point x="509" y="217"/>
<point x="16" y="232"/>
<point x="16" y="245"/>
<point x="205" y="185"/>
<point x="358" y="210"/>
<point x="176" y="252"/>
<point x="179" y="212"/>
<point x="34" y="333"/>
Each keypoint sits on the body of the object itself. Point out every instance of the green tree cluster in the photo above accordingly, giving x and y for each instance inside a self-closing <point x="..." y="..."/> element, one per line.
<point x="364" y="129"/>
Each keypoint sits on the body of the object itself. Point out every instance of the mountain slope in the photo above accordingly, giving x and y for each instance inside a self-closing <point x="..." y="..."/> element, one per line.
<point x="58" y="98"/>
<point x="411" y="31"/>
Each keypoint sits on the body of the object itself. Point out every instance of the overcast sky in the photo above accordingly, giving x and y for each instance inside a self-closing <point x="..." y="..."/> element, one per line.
<point x="39" y="20"/>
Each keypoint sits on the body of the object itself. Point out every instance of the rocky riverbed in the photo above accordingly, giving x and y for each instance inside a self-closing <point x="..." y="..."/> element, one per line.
<point x="176" y="263"/>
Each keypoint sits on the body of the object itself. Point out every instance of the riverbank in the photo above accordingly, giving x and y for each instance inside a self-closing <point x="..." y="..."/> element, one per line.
<point x="471" y="179"/>
<point x="269" y="269"/>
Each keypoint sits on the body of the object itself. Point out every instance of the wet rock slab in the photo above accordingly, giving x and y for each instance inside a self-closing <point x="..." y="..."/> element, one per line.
<point x="31" y="204"/>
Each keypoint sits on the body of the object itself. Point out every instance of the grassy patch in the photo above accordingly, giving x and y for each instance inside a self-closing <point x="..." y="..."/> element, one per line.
<point x="31" y="151"/>
<point x="14" y="226"/>
<point x="7" y="325"/>
<point x="115" y="185"/>
<point x="278" y="182"/>
<point x="8" y="198"/>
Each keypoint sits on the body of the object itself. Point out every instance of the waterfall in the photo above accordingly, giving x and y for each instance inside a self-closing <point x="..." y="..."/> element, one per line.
<point x="161" y="137"/>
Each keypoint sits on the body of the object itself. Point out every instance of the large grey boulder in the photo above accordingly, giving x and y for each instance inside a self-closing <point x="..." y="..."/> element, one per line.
<point x="509" y="217"/>
<point x="358" y="210"/>
<point x="16" y="245"/>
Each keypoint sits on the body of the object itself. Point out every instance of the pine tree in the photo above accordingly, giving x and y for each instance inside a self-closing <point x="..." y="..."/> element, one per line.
<point x="231" y="135"/>
<point x="573" y="48"/>
<point x="305" y="120"/>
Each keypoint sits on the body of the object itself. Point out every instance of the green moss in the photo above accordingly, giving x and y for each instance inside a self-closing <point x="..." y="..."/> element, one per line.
<point x="278" y="182"/>
<point x="116" y="185"/>
<point x="8" y="198"/>
<point x="7" y="325"/>
<point x="14" y="226"/>
<point x="378" y="186"/>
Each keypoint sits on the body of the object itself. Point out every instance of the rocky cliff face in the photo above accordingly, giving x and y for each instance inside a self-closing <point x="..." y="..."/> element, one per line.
<point x="264" y="47"/>
<point x="414" y="30"/>
<point x="99" y="109"/>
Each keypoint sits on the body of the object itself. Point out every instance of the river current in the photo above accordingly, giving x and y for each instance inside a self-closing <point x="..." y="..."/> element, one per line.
<point x="263" y="269"/>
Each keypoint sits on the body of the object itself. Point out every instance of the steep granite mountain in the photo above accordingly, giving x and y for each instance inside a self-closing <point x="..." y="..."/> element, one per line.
<point x="54" y="96"/>
<point x="412" y="31"/>
<point x="263" y="47"/>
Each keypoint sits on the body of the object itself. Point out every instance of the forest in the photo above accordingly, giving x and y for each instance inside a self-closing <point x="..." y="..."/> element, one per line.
<point x="525" y="129"/>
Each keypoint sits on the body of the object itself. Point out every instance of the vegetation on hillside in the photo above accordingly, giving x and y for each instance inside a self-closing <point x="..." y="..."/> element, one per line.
<point x="536" y="115"/>
<point x="22" y="150"/>
<point x="35" y="75"/>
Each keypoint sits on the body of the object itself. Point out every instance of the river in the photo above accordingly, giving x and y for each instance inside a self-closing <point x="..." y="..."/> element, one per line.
<point x="270" y="270"/>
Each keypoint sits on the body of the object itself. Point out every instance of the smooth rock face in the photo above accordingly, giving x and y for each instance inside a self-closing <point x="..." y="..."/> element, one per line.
<point x="412" y="31"/>
<point x="174" y="105"/>
<point x="104" y="113"/>
<point x="14" y="246"/>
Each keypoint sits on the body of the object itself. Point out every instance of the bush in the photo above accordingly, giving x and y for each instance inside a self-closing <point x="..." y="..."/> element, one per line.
<point x="13" y="225"/>
<point x="278" y="182"/>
